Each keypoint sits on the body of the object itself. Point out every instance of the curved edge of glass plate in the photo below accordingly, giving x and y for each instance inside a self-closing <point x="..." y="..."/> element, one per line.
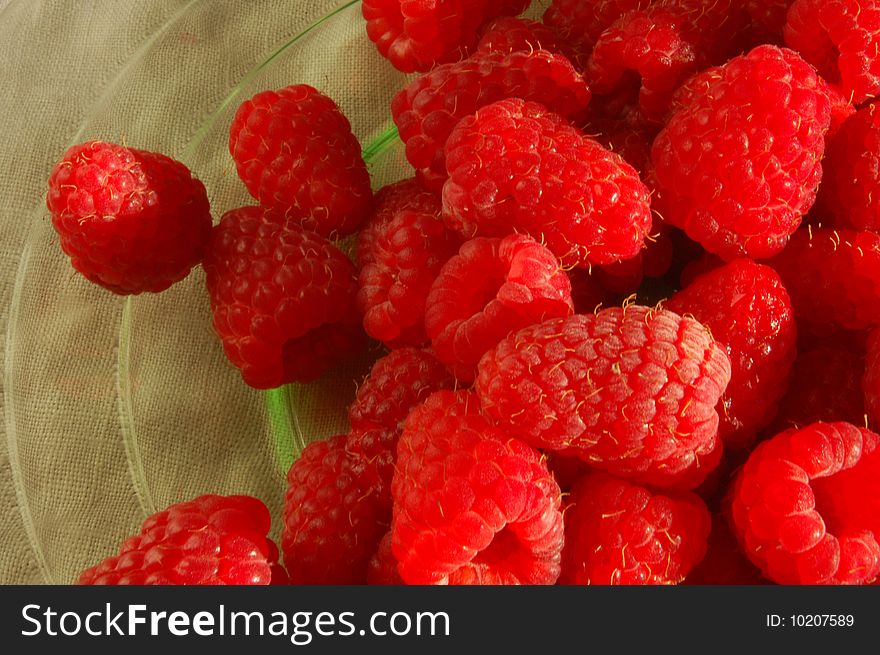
<point x="282" y="420"/>
<point x="287" y="434"/>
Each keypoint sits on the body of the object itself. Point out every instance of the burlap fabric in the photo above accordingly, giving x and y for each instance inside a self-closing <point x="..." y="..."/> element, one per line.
<point x="107" y="413"/>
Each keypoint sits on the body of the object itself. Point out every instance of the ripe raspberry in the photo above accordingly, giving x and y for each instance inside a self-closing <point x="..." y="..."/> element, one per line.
<point x="871" y="377"/>
<point x="507" y="34"/>
<point x="209" y="540"/>
<point x="432" y="105"/>
<point x="414" y="35"/>
<point x="748" y="311"/>
<point x="471" y="504"/>
<point x="296" y="155"/>
<point x="130" y="220"/>
<point x="383" y="566"/>
<point x="390" y="201"/>
<point x="824" y="386"/>
<point x="333" y="520"/>
<point x="406" y="254"/>
<point x="630" y="390"/>
<point x="618" y="533"/>
<point x="805" y="506"/>
<point x="491" y="288"/>
<point x="841" y="39"/>
<point x="516" y="166"/>
<point x="833" y="276"/>
<point x="659" y="46"/>
<point x="739" y="166"/>
<point x="581" y="22"/>
<point x="724" y="563"/>
<point x="283" y="298"/>
<point x="851" y="172"/>
<point x="397" y="383"/>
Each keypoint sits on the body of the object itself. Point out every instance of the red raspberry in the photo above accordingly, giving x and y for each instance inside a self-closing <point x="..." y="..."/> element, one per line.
<point x="739" y="166"/>
<point x="659" y="45"/>
<point x="833" y="276"/>
<point x="415" y="35"/>
<point x="507" y="34"/>
<point x="383" y="566"/>
<point x="841" y="39"/>
<point x="805" y="506"/>
<point x="871" y="378"/>
<point x="724" y="563"/>
<point x="824" y="386"/>
<point x="516" y="166"/>
<point x="491" y="288"/>
<point x="851" y="172"/>
<point x="432" y="105"/>
<point x="618" y="533"/>
<point x="333" y="520"/>
<point x="397" y="383"/>
<point x="130" y="220"/>
<point x="631" y="390"/>
<point x="471" y="504"/>
<point x="283" y="298"/>
<point x="581" y="22"/>
<point x="210" y="540"/>
<point x="405" y="256"/>
<point x="747" y="309"/>
<point x="390" y="201"/>
<point x="295" y="153"/>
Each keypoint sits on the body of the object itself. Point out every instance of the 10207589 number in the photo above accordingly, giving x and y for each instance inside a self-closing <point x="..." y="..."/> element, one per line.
<point x="810" y="621"/>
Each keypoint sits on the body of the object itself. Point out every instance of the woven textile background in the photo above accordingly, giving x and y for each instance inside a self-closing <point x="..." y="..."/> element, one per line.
<point x="107" y="415"/>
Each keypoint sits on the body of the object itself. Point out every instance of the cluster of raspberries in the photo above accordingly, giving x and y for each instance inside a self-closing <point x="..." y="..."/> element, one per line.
<point x="628" y="300"/>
